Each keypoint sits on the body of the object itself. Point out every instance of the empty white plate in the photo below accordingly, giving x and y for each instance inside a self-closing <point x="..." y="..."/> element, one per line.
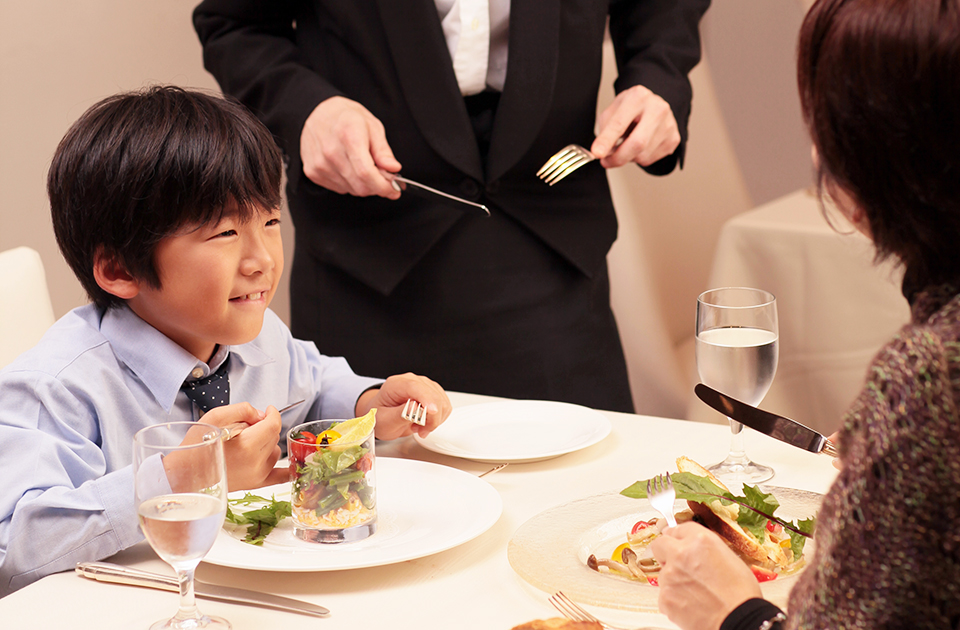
<point x="517" y="431"/>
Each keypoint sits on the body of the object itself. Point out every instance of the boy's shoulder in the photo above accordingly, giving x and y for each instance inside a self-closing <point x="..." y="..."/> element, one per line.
<point x="71" y="337"/>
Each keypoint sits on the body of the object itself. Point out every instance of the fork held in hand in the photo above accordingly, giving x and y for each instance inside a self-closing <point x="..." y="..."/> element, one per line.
<point x="565" y="161"/>
<point x="661" y="495"/>
<point x="414" y="412"/>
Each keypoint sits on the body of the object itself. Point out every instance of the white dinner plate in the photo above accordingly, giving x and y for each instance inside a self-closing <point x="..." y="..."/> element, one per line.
<point x="517" y="431"/>
<point x="550" y="550"/>
<point x="422" y="509"/>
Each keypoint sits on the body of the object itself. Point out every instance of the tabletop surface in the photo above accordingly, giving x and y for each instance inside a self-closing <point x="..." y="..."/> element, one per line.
<point x="471" y="586"/>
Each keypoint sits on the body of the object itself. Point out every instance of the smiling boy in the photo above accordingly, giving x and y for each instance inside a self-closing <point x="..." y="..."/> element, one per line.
<point x="165" y="203"/>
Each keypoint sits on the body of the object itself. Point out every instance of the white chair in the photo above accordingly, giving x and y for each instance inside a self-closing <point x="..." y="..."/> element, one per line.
<point x="25" y="308"/>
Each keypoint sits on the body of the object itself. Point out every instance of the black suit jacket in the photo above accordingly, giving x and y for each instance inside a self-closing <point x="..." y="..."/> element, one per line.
<point x="283" y="57"/>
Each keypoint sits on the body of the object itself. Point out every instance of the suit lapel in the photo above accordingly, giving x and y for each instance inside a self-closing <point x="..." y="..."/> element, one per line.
<point x="429" y="85"/>
<point x="531" y="78"/>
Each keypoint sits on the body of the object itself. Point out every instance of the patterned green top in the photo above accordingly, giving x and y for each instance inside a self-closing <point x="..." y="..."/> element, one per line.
<point x="888" y="540"/>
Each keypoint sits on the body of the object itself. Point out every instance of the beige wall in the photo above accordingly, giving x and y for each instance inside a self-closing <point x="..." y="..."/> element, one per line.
<point x="58" y="58"/>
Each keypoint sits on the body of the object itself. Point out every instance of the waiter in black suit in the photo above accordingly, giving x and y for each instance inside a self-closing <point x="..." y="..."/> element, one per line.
<point x="470" y="97"/>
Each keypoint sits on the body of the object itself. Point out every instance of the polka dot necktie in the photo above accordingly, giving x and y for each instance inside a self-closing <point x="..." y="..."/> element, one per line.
<point x="210" y="392"/>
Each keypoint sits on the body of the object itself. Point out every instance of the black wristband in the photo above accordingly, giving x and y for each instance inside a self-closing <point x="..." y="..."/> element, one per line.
<point x="750" y="615"/>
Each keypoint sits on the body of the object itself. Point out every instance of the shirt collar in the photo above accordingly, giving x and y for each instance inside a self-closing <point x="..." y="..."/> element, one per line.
<point x="159" y="362"/>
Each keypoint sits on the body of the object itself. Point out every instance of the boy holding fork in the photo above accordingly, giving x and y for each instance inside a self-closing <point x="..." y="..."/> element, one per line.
<point x="165" y="203"/>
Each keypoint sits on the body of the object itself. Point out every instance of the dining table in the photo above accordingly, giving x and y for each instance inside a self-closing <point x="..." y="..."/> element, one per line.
<point x="471" y="586"/>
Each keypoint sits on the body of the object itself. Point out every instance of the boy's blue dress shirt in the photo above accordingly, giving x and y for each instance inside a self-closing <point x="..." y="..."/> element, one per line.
<point x="69" y="409"/>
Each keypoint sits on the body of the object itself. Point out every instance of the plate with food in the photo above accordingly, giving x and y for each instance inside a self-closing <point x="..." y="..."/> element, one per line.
<point x="595" y="549"/>
<point x="422" y="509"/>
<point x="517" y="431"/>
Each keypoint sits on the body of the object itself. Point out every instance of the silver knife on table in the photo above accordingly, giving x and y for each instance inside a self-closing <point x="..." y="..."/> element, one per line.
<point x="118" y="574"/>
<point x="777" y="427"/>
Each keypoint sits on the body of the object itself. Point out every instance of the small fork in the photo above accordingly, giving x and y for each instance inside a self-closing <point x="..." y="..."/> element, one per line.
<point x="565" y="161"/>
<point x="414" y="412"/>
<point x="662" y="496"/>
<point x="572" y="611"/>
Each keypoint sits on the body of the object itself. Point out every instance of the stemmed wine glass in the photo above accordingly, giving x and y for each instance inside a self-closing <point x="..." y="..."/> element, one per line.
<point x="737" y="352"/>
<point x="180" y="487"/>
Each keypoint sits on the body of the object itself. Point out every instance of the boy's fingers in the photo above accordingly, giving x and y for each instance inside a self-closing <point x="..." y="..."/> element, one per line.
<point x="277" y="475"/>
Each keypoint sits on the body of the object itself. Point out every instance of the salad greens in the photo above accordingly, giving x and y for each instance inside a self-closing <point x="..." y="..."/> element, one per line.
<point x="327" y="478"/>
<point x="756" y="507"/>
<point x="259" y="522"/>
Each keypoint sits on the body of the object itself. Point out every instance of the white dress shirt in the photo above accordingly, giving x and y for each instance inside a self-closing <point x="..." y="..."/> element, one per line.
<point x="477" y="32"/>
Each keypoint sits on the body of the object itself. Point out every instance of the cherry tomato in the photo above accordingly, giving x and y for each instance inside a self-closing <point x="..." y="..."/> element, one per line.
<point x="763" y="575"/>
<point x="365" y="463"/>
<point x="774" y="527"/>
<point x="639" y="525"/>
<point x="327" y="436"/>
<point x="300" y="448"/>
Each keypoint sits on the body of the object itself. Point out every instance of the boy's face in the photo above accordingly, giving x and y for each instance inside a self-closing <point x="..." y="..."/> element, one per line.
<point x="216" y="282"/>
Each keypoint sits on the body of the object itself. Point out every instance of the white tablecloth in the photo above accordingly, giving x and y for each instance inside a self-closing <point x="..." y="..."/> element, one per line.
<point x="836" y="308"/>
<point x="469" y="587"/>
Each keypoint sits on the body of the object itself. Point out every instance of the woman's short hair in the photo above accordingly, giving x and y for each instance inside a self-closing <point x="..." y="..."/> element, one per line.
<point x="880" y="89"/>
<point x="139" y="166"/>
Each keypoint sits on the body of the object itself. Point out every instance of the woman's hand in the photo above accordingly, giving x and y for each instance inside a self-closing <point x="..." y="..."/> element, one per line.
<point x="702" y="580"/>
<point x="393" y="395"/>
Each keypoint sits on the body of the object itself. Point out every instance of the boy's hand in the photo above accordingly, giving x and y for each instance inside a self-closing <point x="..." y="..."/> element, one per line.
<point x="250" y="457"/>
<point x="391" y="397"/>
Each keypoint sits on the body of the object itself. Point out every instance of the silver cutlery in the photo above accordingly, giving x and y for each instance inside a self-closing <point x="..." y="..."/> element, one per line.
<point x="563" y="162"/>
<point x="397" y="178"/>
<point x="233" y="430"/>
<point x="118" y="574"/>
<point x="572" y="611"/>
<point x="414" y="412"/>
<point x="662" y="496"/>
<point x="496" y="468"/>
<point x="777" y="427"/>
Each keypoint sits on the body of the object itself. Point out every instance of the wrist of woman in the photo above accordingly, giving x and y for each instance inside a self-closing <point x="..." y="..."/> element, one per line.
<point x="754" y="614"/>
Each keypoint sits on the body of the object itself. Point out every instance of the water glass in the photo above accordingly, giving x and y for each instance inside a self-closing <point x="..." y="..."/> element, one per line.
<point x="180" y="487"/>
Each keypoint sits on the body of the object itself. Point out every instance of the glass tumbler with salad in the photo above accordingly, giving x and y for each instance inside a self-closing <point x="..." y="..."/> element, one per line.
<point x="333" y="466"/>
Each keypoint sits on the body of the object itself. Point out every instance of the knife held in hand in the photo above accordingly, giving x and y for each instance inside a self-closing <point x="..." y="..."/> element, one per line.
<point x="777" y="427"/>
<point x="118" y="574"/>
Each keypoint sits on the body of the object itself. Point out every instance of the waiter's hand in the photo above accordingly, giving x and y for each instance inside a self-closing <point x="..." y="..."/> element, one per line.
<point x="343" y="147"/>
<point x="644" y="126"/>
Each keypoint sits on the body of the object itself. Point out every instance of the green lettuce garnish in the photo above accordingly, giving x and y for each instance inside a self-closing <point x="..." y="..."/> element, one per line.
<point x="756" y="506"/>
<point x="260" y="522"/>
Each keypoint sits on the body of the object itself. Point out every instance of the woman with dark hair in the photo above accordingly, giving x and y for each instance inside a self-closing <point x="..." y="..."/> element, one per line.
<point x="880" y="88"/>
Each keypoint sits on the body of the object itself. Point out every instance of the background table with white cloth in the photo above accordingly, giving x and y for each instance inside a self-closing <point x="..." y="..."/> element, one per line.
<point x="836" y="307"/>
<point x="471" y="586"/>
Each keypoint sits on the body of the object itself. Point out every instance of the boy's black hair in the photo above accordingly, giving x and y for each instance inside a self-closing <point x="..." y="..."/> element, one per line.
<point x="140" y="166"/>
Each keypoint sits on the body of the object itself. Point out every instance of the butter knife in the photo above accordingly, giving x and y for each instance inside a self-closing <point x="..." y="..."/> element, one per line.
<point x="777" y="427"/>
<point x="118" y="574"/>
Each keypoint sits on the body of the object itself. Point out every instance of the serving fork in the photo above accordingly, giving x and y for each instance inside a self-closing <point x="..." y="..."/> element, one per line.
<point x="565" y="161"/>
<point x="572" y="611"/>
<point x="662" y="496"/>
